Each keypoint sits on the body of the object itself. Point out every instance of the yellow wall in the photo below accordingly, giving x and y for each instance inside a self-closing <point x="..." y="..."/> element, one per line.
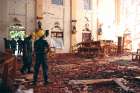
<point x="73" y="17"/>
<point x="74" y="9"/>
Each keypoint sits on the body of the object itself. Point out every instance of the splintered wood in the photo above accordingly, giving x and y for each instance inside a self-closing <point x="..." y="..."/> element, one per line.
<point x="71" y="74"/>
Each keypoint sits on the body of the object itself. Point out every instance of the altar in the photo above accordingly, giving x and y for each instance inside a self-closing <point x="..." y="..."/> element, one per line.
<point x="91" y="48"/>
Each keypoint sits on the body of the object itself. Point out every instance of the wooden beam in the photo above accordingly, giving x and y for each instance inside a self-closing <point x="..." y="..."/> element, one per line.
<point x="86" y="82"/>
<point x="118" y="81"/>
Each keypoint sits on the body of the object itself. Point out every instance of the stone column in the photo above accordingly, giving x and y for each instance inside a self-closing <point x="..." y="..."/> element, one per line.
<point x="39" y="9"/>
<point x="73" y="22"/>
<point x="117" y="11"/>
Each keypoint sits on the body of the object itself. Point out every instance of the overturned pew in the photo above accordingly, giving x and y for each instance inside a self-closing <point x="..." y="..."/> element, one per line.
<point x="117" y="81"/>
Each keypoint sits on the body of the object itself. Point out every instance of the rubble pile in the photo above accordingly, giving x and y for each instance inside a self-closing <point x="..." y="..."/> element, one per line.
<point x="64" y="68"/>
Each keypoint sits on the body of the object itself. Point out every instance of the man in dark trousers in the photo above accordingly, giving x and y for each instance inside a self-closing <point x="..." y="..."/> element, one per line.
<point x="13" y="45"/>
<point x="41" y="49"/>
<point x="20" y="46"/>
<point x="27" y="55"/>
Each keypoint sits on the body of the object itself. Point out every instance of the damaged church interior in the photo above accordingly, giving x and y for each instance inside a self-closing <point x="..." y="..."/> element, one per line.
<point x="93" y="46"/>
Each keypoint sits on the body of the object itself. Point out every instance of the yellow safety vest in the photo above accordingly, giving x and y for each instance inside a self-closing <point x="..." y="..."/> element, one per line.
<point x="37" y="34"/>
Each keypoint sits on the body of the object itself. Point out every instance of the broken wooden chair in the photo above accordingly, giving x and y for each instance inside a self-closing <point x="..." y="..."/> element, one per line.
<point x="136" y="55"/>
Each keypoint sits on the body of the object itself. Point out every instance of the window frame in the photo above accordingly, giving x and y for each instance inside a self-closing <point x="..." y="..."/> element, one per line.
<point x="57" y="2"/>
<point x="87" y="4"/>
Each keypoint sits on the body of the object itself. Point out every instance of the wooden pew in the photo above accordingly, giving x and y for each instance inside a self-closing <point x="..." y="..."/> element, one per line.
<point x="89" y="49"/>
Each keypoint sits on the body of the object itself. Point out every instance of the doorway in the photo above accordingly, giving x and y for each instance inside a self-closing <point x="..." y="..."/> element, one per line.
<point x="17" y="31"/>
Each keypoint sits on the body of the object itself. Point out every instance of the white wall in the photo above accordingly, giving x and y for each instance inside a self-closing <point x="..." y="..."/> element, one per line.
<point x="103" y="13"/>
<point x="106" y="16"/>
<point x="24" y="11"/>
<point x="81" y="16"/>
<point x="58" y="13"/>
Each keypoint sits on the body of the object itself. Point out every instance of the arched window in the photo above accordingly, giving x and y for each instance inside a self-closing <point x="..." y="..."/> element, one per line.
<point x="17" y="31"/>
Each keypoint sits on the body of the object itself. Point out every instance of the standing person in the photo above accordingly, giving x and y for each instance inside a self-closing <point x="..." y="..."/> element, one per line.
<point x="41" y="49"/>
<point x="13" y="45"/>
<point x="27" y="55"/>
<point x="20" y="46"/>
<point x="6" y="44"/>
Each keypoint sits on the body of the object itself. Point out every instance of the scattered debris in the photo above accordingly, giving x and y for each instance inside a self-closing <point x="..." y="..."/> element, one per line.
<point x="71" y="74"/>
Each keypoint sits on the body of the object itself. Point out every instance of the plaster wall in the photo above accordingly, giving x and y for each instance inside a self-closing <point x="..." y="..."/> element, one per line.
<point x="58" y="13"/>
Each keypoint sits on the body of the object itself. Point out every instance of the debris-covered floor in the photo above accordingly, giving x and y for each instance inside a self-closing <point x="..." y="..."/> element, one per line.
<point x="71" y="74"/>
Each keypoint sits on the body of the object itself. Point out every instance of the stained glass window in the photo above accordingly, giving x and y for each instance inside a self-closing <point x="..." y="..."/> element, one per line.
<point x="17" y="31"/>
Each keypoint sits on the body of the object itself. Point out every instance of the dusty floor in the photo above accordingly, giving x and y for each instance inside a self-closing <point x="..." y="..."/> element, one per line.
<point x="65" y="69"/>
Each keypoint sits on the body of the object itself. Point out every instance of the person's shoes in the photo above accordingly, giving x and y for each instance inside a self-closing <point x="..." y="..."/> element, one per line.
<point x="22" y="72"/>
<point x="29" y="72"/>
<point x="47" y="82"/>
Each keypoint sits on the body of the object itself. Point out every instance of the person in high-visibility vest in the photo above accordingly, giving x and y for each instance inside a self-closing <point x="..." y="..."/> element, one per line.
<point x="38" y="33"/>
<point x="41" y="48"/>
